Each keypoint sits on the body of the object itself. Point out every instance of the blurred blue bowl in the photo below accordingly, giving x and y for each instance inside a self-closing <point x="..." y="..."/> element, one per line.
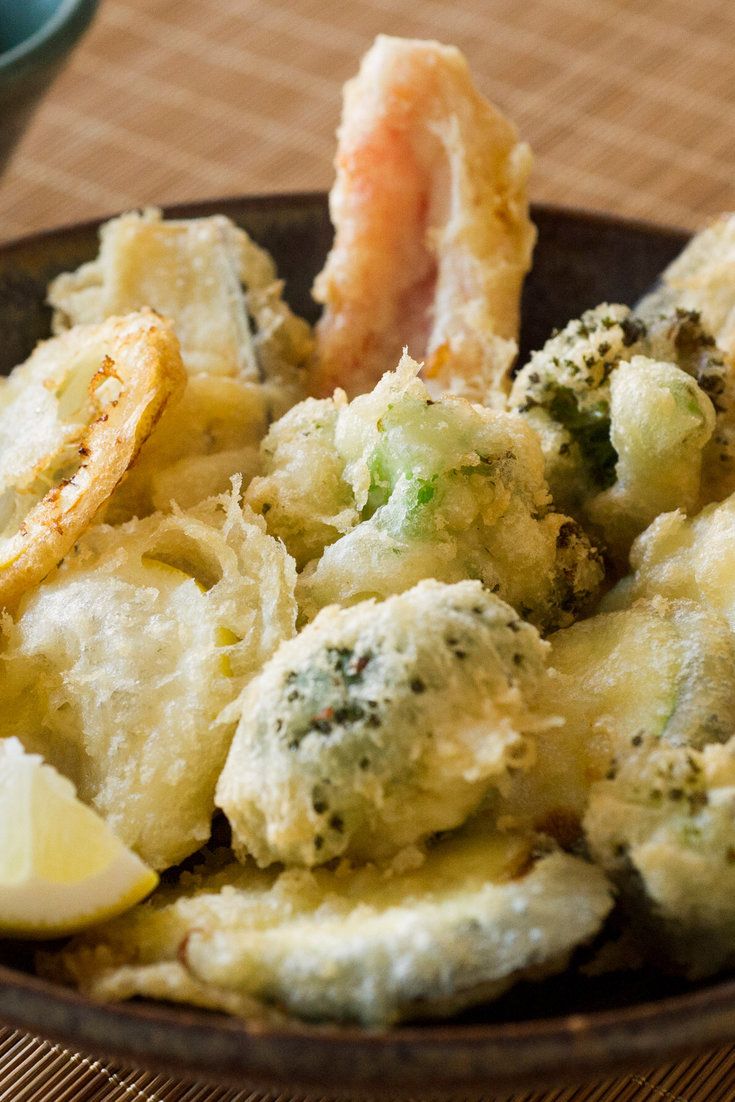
<point x="35" y="39"/>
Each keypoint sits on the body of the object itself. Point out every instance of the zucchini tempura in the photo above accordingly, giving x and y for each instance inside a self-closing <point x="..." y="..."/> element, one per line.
<point x="626" y="423"/>
<point x="663" y="828"/>
<point x="661" y="672"/>
<point x="381" y="724"/>
<point x="371" y="945"/>
<point x="432" y="234"/>
<point x="72" y="419"/>
<point x="131" y="650"/>
<point x="395" y="487"/>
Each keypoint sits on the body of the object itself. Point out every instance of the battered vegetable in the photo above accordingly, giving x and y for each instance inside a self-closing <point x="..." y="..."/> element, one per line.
<point x="623" y="414"/>
<point x="248" y="357"/>
<point x="395" y="487"/>
<point x="663" y="827"/>
<point x="369" y="945"/>
<point x="381" y="724"/>
<point x="119" y="665"/>
<point x="685" y="557"/>
<point x="662" y="672"/>
<point x="72" y="419"/>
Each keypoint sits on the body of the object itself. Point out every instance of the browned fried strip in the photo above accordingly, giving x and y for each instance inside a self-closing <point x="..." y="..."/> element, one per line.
<point x="72" y="419"/>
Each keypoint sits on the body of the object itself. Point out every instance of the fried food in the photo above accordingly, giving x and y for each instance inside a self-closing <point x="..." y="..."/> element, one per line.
<point x="698" y="291"/>
<point x="395" y="487"/>
<point x="131" y="650"/>
<point x="72" y="419"/>
<point x="432" y="233"/>
<point x="303" y="494"/>
<point x="381" y="724"/>
<point x="702" y="279"/>
<point x="247" y="355"/>
<point x="211" y="279"/>
<point x="369" y="945"/>
<point x="211" y="433"/>
<point x="661" y="672"/>
<point x="627" y="428"/>
<point x="662" y="827"/>
<point x="690" y="557"/>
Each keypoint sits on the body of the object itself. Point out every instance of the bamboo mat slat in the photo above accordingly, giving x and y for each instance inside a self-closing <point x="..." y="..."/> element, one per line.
<point x="629" y="106"/>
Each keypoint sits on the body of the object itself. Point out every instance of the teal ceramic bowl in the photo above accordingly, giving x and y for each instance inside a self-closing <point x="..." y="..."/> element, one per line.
<point x="35" y="39"/>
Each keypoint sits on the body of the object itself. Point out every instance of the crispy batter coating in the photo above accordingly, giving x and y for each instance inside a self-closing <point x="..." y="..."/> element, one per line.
<point x="662" y="827"/>
<point x="623" y="410"/>
<point x="211" y="433"/>
<point x="661" y="671"/>
<point x="130" y="651"/>
<point x="699" y="287"/>
<point x="247" y="355"/>
<point x="72" y="419"/>
<point x="381" y="724"/>
<point x="686" y="557"/>
<point x="432" y="234"/>
<point x="371" y="945"/>
<point x="218" y="287"/>
<point x="395" y="487"/>
<point x="702" y="279"/>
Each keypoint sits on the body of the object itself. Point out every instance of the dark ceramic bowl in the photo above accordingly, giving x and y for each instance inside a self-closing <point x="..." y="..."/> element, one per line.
<point x="564" y="1030"/>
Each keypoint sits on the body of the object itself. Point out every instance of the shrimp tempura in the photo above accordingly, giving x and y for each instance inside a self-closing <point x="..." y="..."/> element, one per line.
<point x="433" y="237"/>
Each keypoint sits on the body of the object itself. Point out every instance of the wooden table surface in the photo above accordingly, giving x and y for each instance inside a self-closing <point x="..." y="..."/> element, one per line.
<point x="629" y="106"/>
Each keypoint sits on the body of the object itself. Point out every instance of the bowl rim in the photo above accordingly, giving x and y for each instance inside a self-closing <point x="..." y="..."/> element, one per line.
<point x="202" y="208"/>
<point x="565" y="1046"/>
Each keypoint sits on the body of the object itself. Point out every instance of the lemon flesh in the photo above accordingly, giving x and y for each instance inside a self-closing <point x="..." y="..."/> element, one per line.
<point x="61" y="867"/>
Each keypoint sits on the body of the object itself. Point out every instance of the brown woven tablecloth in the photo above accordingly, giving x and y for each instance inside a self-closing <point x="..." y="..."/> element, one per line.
<point x="629" y="106"/>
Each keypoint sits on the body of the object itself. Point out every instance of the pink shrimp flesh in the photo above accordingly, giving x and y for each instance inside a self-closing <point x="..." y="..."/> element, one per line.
<point x="432" y="233"/>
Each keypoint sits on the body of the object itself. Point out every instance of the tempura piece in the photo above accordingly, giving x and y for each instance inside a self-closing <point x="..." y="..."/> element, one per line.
<point x="247" y="355"/>
<point x="700" y="286"/>
<point x="624" y="418"/>
<point x="663" y="828"/>
<point x="130" y="651"/>
<point x="304" y="495"/>
<point x="685" y="557"/>
<point x="72" y="419"/>
<point x="371" y="945"/>
<point x="213" y="282"/>
<point x="432" y="234"/>
<point x="661" y="672"/>
<point x="660" y="424"/>
<point x="702" y="279"/>
<point x="401" y="487"/>
<point x="381" y="724"/>
<point x="211" y="433"/>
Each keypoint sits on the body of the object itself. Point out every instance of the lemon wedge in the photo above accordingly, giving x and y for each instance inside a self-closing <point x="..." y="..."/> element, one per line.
<point x="61" y="867"/>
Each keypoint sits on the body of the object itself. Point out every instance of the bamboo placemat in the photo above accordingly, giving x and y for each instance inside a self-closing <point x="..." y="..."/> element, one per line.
<point x="34" y="1070"/>
<point x="629" y="106"/>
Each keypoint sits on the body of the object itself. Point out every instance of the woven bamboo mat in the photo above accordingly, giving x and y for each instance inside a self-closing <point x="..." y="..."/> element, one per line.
<point x="629" y="106"/>
<point x="34" y="1070"/>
